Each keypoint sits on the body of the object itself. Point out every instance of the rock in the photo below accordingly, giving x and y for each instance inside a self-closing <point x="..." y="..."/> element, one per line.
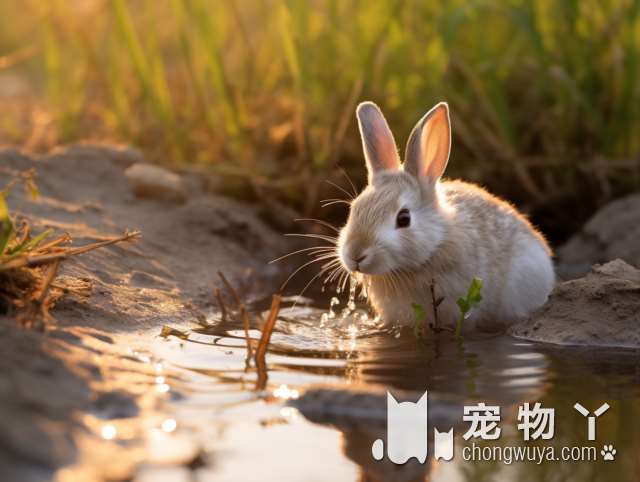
<point x="613" y="232"/>
<point x="149" y="181"/>
<point x="600" y="309"/>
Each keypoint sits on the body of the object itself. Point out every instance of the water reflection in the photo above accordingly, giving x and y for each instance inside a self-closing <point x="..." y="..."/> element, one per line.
<point x="355" y="363"/>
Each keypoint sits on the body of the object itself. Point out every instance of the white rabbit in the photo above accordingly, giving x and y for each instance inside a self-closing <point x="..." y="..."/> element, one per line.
<point x="408" y="227"/>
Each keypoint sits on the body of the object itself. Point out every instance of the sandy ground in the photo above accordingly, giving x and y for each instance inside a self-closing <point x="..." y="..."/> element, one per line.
<point x="599" y="309"/>
<point x="58" y="388"/>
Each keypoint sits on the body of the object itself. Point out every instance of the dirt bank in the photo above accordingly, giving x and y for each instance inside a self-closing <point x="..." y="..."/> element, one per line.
<point x="58" y="389"/>
<point x="600" y="309"/>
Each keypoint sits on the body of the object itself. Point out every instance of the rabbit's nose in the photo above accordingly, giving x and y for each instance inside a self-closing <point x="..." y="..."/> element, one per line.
<point x="360" y="259"/>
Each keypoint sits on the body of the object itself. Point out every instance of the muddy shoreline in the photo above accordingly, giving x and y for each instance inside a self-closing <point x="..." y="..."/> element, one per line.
<point x="59" y="387"/>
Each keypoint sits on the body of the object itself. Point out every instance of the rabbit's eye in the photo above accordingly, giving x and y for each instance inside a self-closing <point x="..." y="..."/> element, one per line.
<point x="403" y="219"/>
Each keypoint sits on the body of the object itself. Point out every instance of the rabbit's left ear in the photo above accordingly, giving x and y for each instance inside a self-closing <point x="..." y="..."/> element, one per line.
<point x="380" y="151"/>
<point x="429" y="144"/>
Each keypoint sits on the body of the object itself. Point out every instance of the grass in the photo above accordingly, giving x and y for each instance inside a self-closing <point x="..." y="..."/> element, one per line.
<point x="29" y="263"/>
<point x="545" y="95"/>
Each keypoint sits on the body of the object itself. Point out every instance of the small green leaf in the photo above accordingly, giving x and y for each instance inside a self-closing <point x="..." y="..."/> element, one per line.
<point x="6" y="226"/>
<point x="420" y="315"/>
<point x="474" y="295"/>
<point x="467" y="303"/>
<point x="33" y="189"/>
<point x="30" y="244"/>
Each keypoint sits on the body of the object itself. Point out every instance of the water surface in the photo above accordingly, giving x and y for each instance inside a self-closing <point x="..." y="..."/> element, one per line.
<point x="286" y="429"/>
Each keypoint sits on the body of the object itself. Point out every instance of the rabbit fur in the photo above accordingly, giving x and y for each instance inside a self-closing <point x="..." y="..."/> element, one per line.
<point x="456" y="231"/>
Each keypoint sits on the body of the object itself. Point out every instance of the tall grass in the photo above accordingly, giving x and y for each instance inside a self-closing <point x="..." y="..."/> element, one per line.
<point x="545" y="94"/>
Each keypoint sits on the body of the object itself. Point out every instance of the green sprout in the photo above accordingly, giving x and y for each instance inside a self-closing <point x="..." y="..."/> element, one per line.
<point x="420" y="316"/>
<point x="467" y="303"/>
<point x="6" y="225"/>
<point x="12" y="244"/>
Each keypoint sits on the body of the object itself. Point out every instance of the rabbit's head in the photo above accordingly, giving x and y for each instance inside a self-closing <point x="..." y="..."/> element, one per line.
<point x="397" y="221"/>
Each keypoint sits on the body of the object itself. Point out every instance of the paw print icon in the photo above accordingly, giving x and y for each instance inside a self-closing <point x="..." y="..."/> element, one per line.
<point x="608" y="452"/>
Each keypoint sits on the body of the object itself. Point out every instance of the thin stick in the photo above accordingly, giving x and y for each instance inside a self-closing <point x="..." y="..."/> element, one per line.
<point x="230" y="288"/>
<point x="261" y="351"/>
<point x="54" y="242"/>
<point x="434" y="305"/>
<point x="221" y="305"/>
<point x="46" y="283"/>
<point x="245" y="322"/>
<point x="38" y="309"/>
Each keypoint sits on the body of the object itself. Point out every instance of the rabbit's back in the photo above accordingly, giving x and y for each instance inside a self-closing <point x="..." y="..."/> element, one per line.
<point x="492" y="218"/>
<point x="498" y="244"/>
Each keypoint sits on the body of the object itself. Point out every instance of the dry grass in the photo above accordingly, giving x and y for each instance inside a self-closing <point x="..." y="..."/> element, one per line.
<point x="261" y="351"/>
<point x="544" y="95"/>
<point x="29" y="263"/>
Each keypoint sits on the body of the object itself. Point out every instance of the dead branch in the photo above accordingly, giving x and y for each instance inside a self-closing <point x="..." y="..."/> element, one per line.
<point x="268" y="328"/>
<point x="37" y="310"/>
<point x="231" y="289"/>
<point x="221" y="305"/>
<point x="31" y="261"/>
<point x="245" y="323"/>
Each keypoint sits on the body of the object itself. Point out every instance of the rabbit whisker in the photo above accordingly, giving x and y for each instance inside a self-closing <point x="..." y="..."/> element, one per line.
<point x="334" y="274"/>
<point x="316" y="260"/>
<point x="323" y="237"/>
<point x="344" y="283"/>
<point x="293" y="253"/>
<point x="349" y="195"/>
<point x="321" y="222"/>
<point x="353" y="186"/>
<point x="329" y="202"/>
<point x="325" y="268"/>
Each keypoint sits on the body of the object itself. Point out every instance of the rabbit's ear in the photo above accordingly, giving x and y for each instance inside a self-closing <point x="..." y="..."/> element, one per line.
<point x="380" y="149"/>
<point x="429" y="144"/>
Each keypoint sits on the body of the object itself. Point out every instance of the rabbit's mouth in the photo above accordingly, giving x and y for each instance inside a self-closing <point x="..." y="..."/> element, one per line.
<point x="359" y="265"/>
<point x="367" y="262"/>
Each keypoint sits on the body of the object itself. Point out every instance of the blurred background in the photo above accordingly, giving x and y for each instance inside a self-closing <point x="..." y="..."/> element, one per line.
<point x="545" y="94"/>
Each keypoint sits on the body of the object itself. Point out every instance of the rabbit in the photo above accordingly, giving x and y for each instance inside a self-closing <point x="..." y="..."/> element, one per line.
<point x="409" y="229"/>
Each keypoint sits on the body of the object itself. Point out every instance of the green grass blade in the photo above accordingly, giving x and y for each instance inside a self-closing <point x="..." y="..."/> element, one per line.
<point x="29" y="244"/>
<point x="6" y="225"/>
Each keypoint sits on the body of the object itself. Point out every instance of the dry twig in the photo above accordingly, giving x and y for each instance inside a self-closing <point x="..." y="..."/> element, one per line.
<point x="261" y="351"/>
<point x="38" y="260"/>
<point x="435" y="302"/>
<point x="221" y="305"/>
<point x="37" y="309"/>
<point x="245" y="322"/>
<point x="231" y="289"/>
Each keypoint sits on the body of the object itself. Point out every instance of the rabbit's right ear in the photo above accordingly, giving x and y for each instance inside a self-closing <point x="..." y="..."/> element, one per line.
<point x="380" y="151"/>
<point x="429" y="145"/>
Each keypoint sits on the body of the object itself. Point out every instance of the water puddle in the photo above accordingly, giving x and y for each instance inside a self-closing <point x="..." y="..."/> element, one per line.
<point x="324" y="402"/>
